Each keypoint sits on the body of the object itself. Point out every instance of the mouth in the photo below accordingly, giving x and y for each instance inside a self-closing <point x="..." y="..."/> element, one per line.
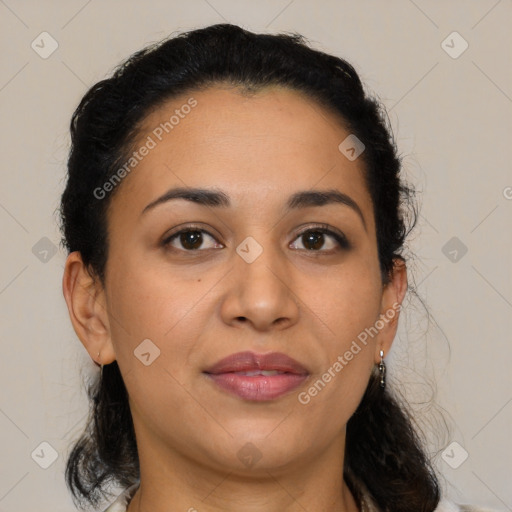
<point x="257" y="377"/>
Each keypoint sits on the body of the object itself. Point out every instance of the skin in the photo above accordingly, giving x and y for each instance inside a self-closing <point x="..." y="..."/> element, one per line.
<point x="198" y="307"/>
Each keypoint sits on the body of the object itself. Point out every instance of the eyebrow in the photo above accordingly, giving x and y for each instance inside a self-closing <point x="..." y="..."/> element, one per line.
<point x="219" y="199"/>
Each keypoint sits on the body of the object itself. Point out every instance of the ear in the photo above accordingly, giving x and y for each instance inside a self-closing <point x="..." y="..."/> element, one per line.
<point x="85" y="298"/>
<point x="392" y="297"/>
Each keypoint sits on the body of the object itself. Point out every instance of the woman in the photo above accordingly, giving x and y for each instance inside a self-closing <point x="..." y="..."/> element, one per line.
<point x="234" y="215"/>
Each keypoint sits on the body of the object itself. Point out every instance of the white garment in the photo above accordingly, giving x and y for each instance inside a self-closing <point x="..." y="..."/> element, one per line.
<point x="445" y="505"/>
<point x="121" y="504"/>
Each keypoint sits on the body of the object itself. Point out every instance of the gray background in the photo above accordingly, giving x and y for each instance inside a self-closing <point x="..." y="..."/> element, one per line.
<point x="451" y="114"/>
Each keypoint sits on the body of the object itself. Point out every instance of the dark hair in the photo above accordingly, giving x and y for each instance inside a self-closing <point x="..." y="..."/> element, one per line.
<point x="384" y="454"/>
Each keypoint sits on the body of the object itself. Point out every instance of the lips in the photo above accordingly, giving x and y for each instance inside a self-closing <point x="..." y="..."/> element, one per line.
<point x="250" y="362"/>
<point x="257" y="377"/>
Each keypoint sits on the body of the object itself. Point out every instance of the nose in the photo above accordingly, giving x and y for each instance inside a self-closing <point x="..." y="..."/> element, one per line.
<point x="260" y="293"/>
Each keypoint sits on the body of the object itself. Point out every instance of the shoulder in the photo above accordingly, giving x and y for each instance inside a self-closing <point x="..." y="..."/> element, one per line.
<point x="446" y="505"/>
<point x="119" y="505"/>
<point x="474" y="508"/>
<point x="116" y="507"/>
<point x="121" y="502"/>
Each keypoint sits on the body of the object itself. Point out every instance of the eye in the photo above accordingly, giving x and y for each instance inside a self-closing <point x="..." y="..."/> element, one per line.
<point x="313" y="239"/>
<point x="191" y="239"/>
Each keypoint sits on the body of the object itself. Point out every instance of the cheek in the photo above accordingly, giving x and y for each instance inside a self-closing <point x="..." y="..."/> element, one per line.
<point x="145" y="304"/>
<point x="170" y="308"/>
<point x="345" y="312"/>
<point x="154" y="325"/>
<point x="348" y="303"/>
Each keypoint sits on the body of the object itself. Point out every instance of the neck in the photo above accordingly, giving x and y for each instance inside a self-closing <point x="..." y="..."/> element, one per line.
<point x="184" y="485"/>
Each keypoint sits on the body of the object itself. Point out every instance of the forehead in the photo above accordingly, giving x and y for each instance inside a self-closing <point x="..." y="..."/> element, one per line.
<point x="260" y="146"/>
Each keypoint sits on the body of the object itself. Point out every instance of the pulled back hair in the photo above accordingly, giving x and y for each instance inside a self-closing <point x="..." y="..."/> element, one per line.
<point x="384" y="454"/>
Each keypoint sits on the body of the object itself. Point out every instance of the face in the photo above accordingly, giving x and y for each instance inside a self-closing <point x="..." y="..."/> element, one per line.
<point x="254" y="273"/>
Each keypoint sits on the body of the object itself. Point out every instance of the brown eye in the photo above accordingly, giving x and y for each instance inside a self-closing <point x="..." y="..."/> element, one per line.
<point x="315" y="240"/>
<point x="190" y="240"/>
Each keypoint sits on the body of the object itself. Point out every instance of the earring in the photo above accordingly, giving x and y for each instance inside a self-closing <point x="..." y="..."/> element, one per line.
<point x="98" y="362"/>
<point x="382" y="370"/>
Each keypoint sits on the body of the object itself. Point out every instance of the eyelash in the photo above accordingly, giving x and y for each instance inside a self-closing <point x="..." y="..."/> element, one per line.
<point x="342" y="241"/>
